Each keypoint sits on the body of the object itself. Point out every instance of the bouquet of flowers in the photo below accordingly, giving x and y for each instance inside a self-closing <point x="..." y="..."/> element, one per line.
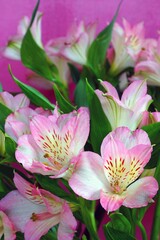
<point x="69" y="162"/>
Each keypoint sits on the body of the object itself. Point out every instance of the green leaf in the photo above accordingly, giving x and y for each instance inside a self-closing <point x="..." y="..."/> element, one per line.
<point x="74" y="73"/>
<point x="35" y="58"/>
<point x="80" y="91"/>
<point x="97" y="51"/>
<point x="100" y="125"/>
<point x="53" y="186"/>
<point x="35" y="96"/>
<point x="64" y="105"/>
<point x="34" y="13"/>
<point x="19" y="236"/>
<point x="10" y="146"/>
<point x="1" y="88"/>
<point x="52" y="234"/>
<point x="153" y="131"/>
<point x="112" y="234"/>
<point x="5" y="111"/>
<point x="118" y="228"/>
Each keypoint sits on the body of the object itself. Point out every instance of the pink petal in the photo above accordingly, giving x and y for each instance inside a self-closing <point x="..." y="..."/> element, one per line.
<point x="110" y="201"/>
<point x="128" y="138"/>
<point x="19" y="209"/>
<point x="141" y="192"/>
<point x="68" y="224"/>
<point x="77" y="51"/>
<point x="116" y="111"/>
<point x="28" y="190"/>
<point x="133" y="93"/>
<point x="80" y="130"/>
<point x="88" y="177"/>
<point x="110" y="89"/>
<point x="141" y="153"/>
<point x="35" y="229"/>
<point x="7" y="227"/>
<point x="148" y="66"/>
<point x="17" y="123"/>
<point x="32" y="157"/>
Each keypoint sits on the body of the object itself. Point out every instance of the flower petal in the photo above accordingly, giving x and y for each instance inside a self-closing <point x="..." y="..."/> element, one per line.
<point x="110" y="201"/>
<point x="141" y="192"/>
<point x="19" y="209"/>
<point x="7" y="227"/>
<point x="32" y="157"/>
<point x="88" y="177"/>
<point x="35" y="229"/>
<point x="67" y="224"/>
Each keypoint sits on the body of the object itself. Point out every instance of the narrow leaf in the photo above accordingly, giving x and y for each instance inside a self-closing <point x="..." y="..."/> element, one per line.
<point x="5" y="111"/>
<point x="34" y="95"/>
<point x="35" y="58"/>
<point x="64" y="105"/>
<point x="100" y="125"/>
<point x="153" y="130"/>
<point x="98" y="49"/>
<point x="53" y="186"/>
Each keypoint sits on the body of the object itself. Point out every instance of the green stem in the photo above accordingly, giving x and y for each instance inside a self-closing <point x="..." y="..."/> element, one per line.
<point x="143" y="231"/>
<point x="155" y="235"/>
<point x="156" y="221"/>
<point x="87" y="211"/>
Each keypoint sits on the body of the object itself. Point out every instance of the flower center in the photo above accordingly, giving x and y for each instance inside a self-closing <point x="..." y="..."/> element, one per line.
<point x="120" y="172"/>
<point x="56" y="149"/>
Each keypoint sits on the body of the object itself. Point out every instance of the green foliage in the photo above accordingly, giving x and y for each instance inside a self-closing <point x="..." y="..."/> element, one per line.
<point x="63" y="104"/>
<point x="5" y="111"/>
<point x="35" y="96"/>
<point x="10" y="146"/>
<point x="153" y="131"/>
<point x="100" y="125"/>
<point x="81" y="91"/>
<point x="53" y="186"/>
<point x="98" y="49"/>
<point x="118" y="228"/>
<point x="74" y="73"/>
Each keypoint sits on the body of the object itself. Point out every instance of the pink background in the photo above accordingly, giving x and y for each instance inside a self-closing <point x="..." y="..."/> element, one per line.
<point x="59" y="14"/>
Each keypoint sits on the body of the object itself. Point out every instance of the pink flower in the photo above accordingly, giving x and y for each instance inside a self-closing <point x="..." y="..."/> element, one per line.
<point x="75" y="45"/>
<point x="17" y="123"/>
<point x="127" y="111"/>
<point x="54" y="142"/>
<point x="127" y="43"/>
<point x="149" y="118"/>
<point x="148" y="66"/>
<point x="113" y="178"/>
<point x="34" y="211"/>
<point x="12" y="49"/>
<point x="14" y="102"/>
<point x="7" y="227"/>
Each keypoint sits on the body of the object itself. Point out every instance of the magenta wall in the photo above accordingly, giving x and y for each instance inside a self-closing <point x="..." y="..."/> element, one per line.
<point x="58" y="15"/>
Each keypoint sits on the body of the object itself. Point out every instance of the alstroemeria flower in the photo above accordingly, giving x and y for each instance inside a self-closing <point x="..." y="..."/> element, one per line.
<point x="63" y="73"/>
<point x="18" y="123"/>
<point x="54" y="142"/>
<point x="14" y="102"/>
<point x="127" y="111"/>
<point x="34" y="211"/>
<point x="12" y="49"/>
<point x="75" y="45"/>
<point x="113" y="178"/>
<point x="127" y="44"/>
<point x="148" y="67"/>
<point x="149" y="118"/>
<point x="6" y="227"/>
